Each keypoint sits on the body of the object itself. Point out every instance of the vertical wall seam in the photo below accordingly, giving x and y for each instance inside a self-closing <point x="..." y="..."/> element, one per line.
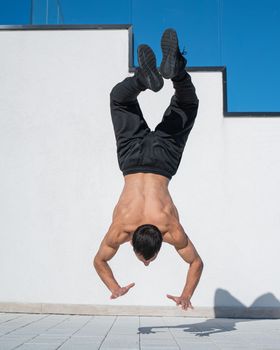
<point x="47" y="11"/>
<point x="31" y="11"/>
<point x="130" y="11"/>
<point x="220" y="29"/>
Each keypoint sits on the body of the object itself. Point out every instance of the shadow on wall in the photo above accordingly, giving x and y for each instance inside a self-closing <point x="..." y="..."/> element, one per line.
<point x="266" y="306"/>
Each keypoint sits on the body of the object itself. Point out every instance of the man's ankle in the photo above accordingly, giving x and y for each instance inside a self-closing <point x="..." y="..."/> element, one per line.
<point x="137" y="81"/>
<point x="180" y="76"/>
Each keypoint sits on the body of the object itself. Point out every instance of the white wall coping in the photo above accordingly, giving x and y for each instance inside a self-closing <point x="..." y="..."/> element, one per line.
<point x="133" y="310"/>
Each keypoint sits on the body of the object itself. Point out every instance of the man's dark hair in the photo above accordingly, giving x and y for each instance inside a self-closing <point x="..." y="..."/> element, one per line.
<point x="146" y="241"/>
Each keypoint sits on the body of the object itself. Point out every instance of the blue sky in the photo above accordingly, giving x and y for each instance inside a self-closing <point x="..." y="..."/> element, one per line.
<point x="241" y="35"/>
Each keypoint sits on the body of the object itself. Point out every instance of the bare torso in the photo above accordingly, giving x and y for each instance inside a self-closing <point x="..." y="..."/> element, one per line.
<point x="145" y="199"/>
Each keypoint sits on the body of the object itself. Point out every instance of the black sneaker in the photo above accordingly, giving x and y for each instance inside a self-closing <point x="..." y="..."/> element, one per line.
<point x="147" y="72"/>
<point x="173" y="62"/>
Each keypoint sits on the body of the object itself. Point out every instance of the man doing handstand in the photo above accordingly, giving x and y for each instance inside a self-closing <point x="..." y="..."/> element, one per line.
<point x="145" y="214"/>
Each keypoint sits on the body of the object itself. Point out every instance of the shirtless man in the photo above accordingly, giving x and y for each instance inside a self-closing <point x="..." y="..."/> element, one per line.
<point x="145" y="214"/>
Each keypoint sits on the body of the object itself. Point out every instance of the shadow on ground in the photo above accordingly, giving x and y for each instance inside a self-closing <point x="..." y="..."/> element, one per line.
<point x="223" y="300"/>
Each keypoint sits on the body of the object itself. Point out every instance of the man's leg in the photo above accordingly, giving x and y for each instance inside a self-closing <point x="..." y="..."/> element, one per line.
<point x="129" y="124"/>
<point x="127" y="117"/>
<point x="179" y="117"/>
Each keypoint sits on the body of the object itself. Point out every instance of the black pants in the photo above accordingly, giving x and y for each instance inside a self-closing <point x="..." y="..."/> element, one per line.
<point x="141" y="150"/>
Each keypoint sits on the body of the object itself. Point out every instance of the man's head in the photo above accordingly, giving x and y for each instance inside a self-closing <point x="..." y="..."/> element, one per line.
<point x="146" y="242"/>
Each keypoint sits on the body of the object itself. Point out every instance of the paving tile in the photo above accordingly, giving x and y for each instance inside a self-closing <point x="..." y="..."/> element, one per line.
<point x="125" y="325"/>
<point x="164" y="335"/>
<point x="254" y="325"/>
<point x="151" y="321"/>
<point x="20" y="322"/>
<point x="97" y="326"/>
<point x="158" y="341"/>
<point x="121" y="341"/>
<point x="236" y="347"/>
<point x="159" y="347"/>
<point x="85" y="340"/>
<point x="130" y="348"/>
<point x="184" y="344"/>
<point x="27" y="328"/>
<point x="45" y="339"/>
<point x="8" y="317"/>
<point x="7" y="341"/>
<point x="10" y="344"/>
<point x="69" y="326"/>
<point x="29" y="346"/>
<point x="152" y="325"/>
<point x="35" y="329"/>
<point x="69" y="346"/>
<point x="267" y="347"/>
<point x="12" y="337"/>
<point x="266" y="342"/>
<point x="235" y="337"/>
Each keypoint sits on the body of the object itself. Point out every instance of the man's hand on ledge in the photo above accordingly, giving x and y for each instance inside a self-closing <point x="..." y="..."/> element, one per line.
<point x="182" y="301"/>
<point x="121" y="291"/>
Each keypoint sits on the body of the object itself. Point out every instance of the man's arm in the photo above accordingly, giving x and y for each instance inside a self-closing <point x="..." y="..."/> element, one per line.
<point x="187" y="251"/>
<point x="107" y="250"/>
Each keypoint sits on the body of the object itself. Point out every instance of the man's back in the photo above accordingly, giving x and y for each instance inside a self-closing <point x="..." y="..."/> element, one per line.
<point x="145" y="199"/>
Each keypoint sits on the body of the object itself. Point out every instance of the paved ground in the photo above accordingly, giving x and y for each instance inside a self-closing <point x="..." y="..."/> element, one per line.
<point x="65" y="332"/>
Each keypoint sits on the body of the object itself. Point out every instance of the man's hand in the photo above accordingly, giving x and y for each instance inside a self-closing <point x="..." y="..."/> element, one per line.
<point x="182" y="301"/>
<point x="121" y="291"/>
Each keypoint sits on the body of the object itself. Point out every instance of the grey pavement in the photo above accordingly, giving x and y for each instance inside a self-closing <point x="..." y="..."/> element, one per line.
<point x="66" y="332"/>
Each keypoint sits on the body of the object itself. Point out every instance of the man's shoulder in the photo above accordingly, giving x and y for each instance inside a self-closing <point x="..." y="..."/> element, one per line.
<point x="117" y="234"/>
<point x="176" y="235"/>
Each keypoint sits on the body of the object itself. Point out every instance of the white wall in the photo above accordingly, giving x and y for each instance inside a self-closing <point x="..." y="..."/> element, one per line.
<point x="59" y="179"/>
